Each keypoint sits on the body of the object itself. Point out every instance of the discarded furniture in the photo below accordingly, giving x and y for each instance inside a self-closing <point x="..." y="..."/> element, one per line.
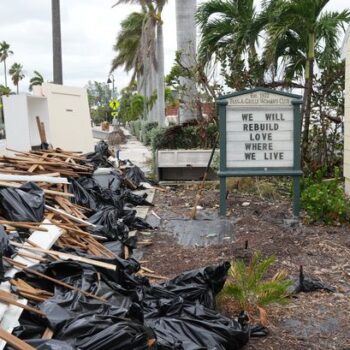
<point x="64" y="112"/>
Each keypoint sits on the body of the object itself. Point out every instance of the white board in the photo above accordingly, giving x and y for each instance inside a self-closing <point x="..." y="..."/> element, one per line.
<point x="259" y="131"/>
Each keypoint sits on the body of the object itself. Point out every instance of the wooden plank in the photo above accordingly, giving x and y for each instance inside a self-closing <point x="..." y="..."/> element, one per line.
<point x="8" y="298"/>
<point x="15" y="342"/>
<point x="71" y="217"/>
<point x="65" y="256"/>
<point x="17" y="185"/>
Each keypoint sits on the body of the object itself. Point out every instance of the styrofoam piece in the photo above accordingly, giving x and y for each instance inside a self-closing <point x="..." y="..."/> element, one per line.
<point x="34" y="178"/>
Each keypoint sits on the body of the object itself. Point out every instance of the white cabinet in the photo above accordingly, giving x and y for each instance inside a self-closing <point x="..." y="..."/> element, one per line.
<point x="64" y="111"/>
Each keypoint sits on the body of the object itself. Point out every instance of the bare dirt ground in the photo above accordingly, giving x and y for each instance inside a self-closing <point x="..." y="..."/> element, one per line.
<point x="316" y="320"/>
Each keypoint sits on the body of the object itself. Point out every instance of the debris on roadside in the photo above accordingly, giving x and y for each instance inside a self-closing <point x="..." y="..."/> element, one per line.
<point x="66" y="261"/>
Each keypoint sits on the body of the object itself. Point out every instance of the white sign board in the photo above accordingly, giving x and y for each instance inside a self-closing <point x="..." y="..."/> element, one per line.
<point x="259" y="131"/>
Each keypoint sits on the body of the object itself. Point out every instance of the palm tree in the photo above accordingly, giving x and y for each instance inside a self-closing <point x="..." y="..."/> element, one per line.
<point x="230" y="32"/>
<point x="149" y="54"/>
<point x="5" y="91"/>
<point x="17" y="74"/>
<point x="37" y="79"/>
<point x="128" y="43"/>
<point x="186" y="45"/>
<point x="5" y="52"/>
<point x="302" y="35"/>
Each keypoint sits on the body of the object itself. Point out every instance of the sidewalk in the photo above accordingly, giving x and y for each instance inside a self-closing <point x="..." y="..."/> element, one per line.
<point x="136" y="152"/>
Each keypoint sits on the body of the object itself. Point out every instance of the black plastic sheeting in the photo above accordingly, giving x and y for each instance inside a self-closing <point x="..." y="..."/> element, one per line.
<point x="25" y="203"/>
<point x="176" y="315"/>
<point x="5" y="250"/>
<point x="307" y="285"/>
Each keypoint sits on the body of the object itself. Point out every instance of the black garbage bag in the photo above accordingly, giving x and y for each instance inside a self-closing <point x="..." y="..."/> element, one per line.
<point x="25" y="203"/>
<point x="136" y="175"/>
<point x="105" y="333"/>
<point x="46" y="344"/>
<point x="306" y="285"/>
<point x="199" y="285"/>
<point x="82" y="196"/>
<point x="99" y="158"/>
<point x="111" y="180"/>
<point x="181" y="312"/>
<point x="135" y="315"/>
<point x="5" y="250"/>
<point x="51" y="344"/>
<point x="134" y="222"/>
<point x="135" y="199"/>
<point x="184" y="326"/>
<point x="109" y="224"/>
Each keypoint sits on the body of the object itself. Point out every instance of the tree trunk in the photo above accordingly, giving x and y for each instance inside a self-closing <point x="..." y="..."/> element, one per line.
<point x="160" y="76"/>
<point x="5" y="72"/>
<point x="17" y="86"/>
<point x="186" y="44"/>
<point x="56" y="42"/>
<point x="309" y="73"/>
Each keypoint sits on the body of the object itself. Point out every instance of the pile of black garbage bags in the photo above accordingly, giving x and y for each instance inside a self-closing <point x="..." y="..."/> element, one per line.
<point x="176" y="315"/>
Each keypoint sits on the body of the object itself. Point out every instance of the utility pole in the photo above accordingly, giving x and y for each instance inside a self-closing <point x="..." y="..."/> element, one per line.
<point x="56" y="42"/>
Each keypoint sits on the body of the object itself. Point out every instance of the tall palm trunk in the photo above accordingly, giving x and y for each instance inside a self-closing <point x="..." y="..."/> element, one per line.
<point x="160" y="75"/>
<point x="56" y="42"/>
<point x="186" y="44"/>
<point x="17" y="86"/>
<point x="153" y="109"/>
<point x="306" y="108"/>
<point x="5" y="73"/>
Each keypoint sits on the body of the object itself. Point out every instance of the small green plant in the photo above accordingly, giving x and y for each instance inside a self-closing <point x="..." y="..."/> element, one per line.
<point x="248" y="286"/>
<point x="325" y="200"/>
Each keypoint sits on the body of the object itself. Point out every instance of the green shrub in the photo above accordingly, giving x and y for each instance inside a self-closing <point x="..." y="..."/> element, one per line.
<point x="325" y="200"/>
<point x="135" y="128"/>
<point x="156" y="137"/>
<point x="188" y="137"/>
<point x="146" y="129"/>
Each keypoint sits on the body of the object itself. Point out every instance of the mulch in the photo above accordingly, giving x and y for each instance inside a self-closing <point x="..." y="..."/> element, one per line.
<point x="316" y="320"/>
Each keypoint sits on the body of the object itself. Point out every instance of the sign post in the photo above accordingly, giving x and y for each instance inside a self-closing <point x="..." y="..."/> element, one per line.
<point x="260" y="136"/>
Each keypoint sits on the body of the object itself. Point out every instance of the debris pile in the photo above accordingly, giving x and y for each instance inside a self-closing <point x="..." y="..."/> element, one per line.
<point x="66" y="259"/>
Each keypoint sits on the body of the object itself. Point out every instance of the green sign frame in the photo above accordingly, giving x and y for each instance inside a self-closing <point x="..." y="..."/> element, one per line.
<point x="295" y="171"/>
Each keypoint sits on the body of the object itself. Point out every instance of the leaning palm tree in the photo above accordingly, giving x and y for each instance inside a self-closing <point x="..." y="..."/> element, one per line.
<point x="151" y="53"/>
<point x="17" y="74"/>
<point x="302" y="35"/>
<point x="128" y="43"/>
<point x="37" y="79"/>
<point x="5" y="52"/>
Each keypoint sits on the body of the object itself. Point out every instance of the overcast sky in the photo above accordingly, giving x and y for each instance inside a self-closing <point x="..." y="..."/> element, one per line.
<point x="89" y="28"/>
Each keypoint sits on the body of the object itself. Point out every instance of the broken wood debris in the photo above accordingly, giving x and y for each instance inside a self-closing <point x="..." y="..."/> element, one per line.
<point x="51" y="170"/>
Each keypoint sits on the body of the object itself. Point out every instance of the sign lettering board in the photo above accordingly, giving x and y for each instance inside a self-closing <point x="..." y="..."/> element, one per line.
<point x="259" y="134"/>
